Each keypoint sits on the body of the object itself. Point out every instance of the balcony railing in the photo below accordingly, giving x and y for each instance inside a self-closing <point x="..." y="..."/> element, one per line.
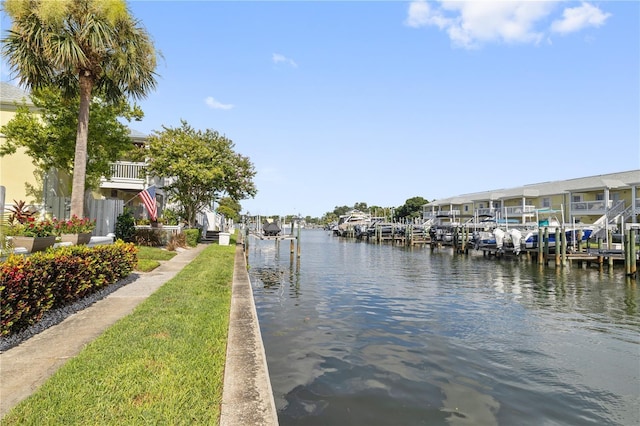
<point x="512" y="211"/>
<point x="126" y="175"/>
<point x="589" y="207"/>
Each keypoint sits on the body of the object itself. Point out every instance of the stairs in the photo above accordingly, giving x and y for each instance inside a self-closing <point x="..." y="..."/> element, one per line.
<point x="210" y="237"/>
<point x="610" y="220"/>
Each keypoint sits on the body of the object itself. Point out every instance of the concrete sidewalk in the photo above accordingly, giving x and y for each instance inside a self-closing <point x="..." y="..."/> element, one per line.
<point x="27" y="366"/>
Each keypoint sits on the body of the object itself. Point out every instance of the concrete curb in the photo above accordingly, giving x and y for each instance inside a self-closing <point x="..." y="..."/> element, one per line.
<point x="247" y="398"/>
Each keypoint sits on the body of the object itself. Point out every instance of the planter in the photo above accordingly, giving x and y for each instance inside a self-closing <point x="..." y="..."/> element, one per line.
<point x="223" y="238"/>
<point x="33" y="244"/>
<point x="77" y="239"/>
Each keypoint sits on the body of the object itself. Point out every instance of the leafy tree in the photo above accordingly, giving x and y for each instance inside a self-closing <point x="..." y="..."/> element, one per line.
<point x="48" y="135"/>
<point x="201" y="165"/>
<point x="230" y="208"/>
<point x="412" y="208"/>
<point x="339" y="211"/>
<point x="80" y="46"/>
<point x="361" y="206"/>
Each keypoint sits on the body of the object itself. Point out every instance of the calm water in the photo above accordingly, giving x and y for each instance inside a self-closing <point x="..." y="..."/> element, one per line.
<point x="363" y="334"/>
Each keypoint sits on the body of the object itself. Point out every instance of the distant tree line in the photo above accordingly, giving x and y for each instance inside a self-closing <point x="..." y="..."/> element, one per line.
<point x="411" y="209"/>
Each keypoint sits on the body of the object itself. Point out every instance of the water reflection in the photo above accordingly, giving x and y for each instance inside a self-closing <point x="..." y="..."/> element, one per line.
<point x="357" y="333"/>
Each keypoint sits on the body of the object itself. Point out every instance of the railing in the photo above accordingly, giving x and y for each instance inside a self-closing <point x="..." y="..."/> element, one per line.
<point x="589" y="207"/>
<point x="126" y="174"/>
<point x="518" y="210"/>
<point x="507" y="211"/>
<point x="448" y="213"/>
<point x="128" y="170"/>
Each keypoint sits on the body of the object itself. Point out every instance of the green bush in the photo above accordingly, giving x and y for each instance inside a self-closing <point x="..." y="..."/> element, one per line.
<point x="126" y="226"/>
<point x="171" y="217"/>
<point x="193" y="236"/>
<point x="151" y="237"/>
<point x="30" y="286"/>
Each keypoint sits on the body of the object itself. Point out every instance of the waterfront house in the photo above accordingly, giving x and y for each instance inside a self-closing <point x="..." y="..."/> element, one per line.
<point x="610" y="199"/>
<point x="104" y="204"/>
<point x="17" y="171"/>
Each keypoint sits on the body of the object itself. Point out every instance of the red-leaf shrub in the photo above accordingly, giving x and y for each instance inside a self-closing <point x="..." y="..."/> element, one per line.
<point x="30" y="286"/>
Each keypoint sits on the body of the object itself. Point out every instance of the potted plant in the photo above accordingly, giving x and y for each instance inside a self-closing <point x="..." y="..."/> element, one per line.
<point x="75" y="230"/>
<point x="33" y="235"/>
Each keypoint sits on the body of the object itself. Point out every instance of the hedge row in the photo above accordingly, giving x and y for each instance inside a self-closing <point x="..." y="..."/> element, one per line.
<point x="30" y="286"/>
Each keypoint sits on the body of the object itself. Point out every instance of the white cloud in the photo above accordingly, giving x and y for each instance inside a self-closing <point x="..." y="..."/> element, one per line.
<point x="214" y="104"/>
<point x="576" y="18"/>
<point x="470" y="24"/>
<point x="421" y="14"/>
<point x="278" y="58"/>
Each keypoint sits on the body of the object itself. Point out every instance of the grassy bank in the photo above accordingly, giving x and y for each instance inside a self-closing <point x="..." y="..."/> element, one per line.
<point x="163" y="364"/>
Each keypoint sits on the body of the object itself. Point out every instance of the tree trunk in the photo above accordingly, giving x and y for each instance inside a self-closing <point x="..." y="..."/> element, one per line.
<point x="191" y="216"/>
<point x="82" y="136"/>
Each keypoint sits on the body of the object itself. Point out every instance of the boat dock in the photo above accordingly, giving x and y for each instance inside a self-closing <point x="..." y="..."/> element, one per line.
<point x="461" y="240"/>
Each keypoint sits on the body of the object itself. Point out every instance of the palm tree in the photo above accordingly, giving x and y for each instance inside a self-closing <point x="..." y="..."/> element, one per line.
<point x="81" y="47"/>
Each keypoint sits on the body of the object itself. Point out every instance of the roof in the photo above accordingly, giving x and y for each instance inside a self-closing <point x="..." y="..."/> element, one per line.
<point x="589" y="183"/>
<point x="134" y="134"/>
<point x="10" y="94"/>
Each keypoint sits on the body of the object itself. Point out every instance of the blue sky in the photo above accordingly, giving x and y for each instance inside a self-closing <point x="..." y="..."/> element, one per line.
<point x="351" y="101"/>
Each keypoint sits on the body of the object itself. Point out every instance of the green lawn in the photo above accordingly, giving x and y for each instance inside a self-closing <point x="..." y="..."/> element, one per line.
<point x="149" y="257"/>
<point x="163" y="364"/>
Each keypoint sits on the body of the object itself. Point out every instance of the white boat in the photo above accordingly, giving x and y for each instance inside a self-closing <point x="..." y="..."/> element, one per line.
<point x="349" y="221"/>
<point x="573" y="233"/>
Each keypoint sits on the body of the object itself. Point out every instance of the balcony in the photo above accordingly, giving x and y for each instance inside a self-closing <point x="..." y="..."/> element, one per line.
<point x="513" y="211"/>
<point x="126" y="175"/>
<point x="585" y="208"/>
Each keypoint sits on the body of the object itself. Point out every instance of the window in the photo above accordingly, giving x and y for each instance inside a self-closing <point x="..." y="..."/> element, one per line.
<point x="600" y="197"/>
<point x="576" y="198"/>
<point x="546" y="202"/>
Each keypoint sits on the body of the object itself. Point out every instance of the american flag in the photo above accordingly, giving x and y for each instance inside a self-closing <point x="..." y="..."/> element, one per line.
<point x="149" y="199"/>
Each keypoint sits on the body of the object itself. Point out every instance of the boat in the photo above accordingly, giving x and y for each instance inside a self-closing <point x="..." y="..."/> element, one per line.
<point x="271" y="228"/>
<point x="573" y="233"/>
<point x="347" y="222"/>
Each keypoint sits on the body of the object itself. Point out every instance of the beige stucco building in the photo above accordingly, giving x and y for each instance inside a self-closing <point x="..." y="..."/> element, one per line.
<point x="16" y="170"/>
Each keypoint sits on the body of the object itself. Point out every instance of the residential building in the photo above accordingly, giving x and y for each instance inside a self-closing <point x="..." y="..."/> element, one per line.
<point x="17" y="171"/>
<point x="610" y="198"/>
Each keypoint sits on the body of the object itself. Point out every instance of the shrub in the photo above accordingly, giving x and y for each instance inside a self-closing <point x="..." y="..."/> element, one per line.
<point x="32" y="228"/>
<point x="30" y="286"/>
<point x="171" y="217"/>
<point x="126" y="226"/>
<point x="192" y="236"/>
<point x="75" y="225"/>
<point x="150" y="237"/>
<point x="177" y="240"/>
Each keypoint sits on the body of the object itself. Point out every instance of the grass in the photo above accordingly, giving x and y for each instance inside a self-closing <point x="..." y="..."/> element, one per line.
<point x="149" y="257"/>
<point x="163" y="364"/>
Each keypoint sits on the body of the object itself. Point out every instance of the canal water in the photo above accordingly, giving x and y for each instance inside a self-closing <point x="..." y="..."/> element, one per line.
<point x="357" y="333"/>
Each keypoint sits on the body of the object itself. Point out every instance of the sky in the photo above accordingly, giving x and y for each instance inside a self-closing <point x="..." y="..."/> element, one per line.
<point x="344" y="102"/>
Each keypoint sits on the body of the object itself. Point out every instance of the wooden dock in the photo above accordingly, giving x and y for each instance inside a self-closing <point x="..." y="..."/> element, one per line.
<point x="461" y="242"/>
